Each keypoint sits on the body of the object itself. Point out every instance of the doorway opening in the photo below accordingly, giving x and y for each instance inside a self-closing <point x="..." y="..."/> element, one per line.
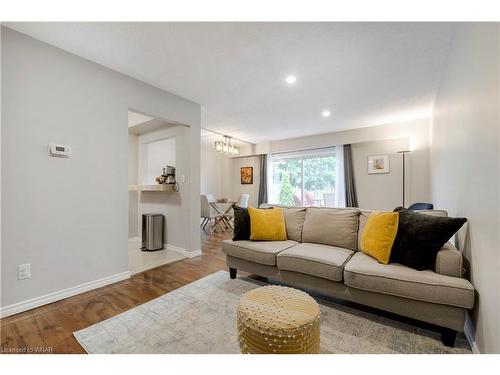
<point x="153" y="146"/>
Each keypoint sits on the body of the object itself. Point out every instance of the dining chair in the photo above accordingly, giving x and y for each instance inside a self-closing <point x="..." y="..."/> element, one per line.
<point x="329" y="199"/>
<point x="243" y="201"/>
<point x="211" y="198"/>
<point x="208" y="213"/>
<point x="309" y="199"/>
<point x="421" y="206"/>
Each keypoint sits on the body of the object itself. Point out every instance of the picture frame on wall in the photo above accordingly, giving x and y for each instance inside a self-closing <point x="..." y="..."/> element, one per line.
<point x="246" y="175"/>
<point x="378" y="164"/>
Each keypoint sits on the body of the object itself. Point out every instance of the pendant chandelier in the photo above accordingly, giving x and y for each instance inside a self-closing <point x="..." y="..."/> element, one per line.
<point x="226" y="146"/>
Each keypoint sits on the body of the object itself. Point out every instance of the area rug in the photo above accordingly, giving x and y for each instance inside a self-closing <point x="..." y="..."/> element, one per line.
<point x="201" y="318"/>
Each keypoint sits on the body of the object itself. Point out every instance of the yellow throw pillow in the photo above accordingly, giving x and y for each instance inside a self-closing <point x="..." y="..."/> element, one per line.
<point x="267" y="225"/>
<point x="379" y="235"/>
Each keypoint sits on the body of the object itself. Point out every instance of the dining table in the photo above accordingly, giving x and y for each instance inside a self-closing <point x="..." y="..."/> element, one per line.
<point x="224" y="218"/>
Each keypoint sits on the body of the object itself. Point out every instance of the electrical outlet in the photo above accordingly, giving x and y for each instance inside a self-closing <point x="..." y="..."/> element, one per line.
<point x="23" y="271"/>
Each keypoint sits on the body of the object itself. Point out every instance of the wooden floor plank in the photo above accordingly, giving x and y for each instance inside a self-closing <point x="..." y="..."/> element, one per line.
<point x="52" y="325"/>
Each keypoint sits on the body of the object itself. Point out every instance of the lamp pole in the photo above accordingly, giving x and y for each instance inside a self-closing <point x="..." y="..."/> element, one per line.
<point x="404" y="152"/>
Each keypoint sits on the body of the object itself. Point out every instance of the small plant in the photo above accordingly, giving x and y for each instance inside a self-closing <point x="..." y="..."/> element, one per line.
<point x="286" y="190"/>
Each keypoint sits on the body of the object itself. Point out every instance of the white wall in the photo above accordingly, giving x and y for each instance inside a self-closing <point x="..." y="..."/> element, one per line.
<point x="216" y="177"/>
<point x="68" y="217"/>
<point x="170" y="204"/>
<point x="220" y="174"/>
<point x="239" y="188"/>
<point x="133" y="179"/>
<point x="381" y="192"/>
<point x="156" y="155"/>
<point x="417" y="131"/>
<point x="465" y="164"/>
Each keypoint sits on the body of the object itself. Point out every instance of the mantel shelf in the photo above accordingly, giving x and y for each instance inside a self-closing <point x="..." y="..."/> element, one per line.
<point x="158" y="187"/>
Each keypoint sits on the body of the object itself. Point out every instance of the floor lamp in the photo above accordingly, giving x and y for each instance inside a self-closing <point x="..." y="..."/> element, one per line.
<point x="404" y="152"/>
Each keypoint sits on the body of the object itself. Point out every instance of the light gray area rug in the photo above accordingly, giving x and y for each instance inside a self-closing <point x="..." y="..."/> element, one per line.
<point x="201" y="318"/>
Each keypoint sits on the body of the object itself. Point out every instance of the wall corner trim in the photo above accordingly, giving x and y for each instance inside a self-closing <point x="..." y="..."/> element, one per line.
<point x="182" y="251"/>
<point x="62" y="294"/>
<point x="469" y="335"/>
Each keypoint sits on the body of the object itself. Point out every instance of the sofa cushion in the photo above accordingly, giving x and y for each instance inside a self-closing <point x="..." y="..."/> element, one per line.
<point x="241" y="224"/>
<point x="314" y="259"/>
<point x="364" y="272"/>
<point x="420" y="236"/>
<point x="363" y="218"/>
<point x="263" y="252"/>
<point x="440" y="213"/>
<point x="294" y="221"/>
<point x="379" y="234"/>
<point x="331" y="226"/>
<point x="267" y="225"/>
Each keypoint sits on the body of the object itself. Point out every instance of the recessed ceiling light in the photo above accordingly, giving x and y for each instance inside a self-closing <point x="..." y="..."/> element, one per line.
<point x="291" y="80"/>
<point x="326" y="113"/>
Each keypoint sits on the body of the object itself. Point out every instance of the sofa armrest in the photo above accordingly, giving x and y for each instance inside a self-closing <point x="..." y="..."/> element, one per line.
<point x="449" y="261"/>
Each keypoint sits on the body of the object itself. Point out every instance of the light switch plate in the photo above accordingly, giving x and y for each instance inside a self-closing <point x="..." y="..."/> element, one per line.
<point x="24" y="271"/>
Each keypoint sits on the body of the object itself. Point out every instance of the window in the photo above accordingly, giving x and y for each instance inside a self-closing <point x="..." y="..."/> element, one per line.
<point x="303" y="178"/>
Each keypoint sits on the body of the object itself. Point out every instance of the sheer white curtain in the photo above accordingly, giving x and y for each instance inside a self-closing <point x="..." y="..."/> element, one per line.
<point x="339" y="177"/>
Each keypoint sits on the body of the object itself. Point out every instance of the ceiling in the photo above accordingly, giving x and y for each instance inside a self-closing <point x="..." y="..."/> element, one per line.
<point x="141" y="124"/>
<point x="135" y="118"/>
<point x="364" y="73"/>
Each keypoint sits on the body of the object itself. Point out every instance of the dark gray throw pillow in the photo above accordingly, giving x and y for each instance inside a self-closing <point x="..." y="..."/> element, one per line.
<point x="420" y="237"/>
<point x="241" y="224"/>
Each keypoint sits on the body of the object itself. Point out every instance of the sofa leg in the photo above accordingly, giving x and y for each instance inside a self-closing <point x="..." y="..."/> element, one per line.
<point x="448" y="337"/>
<point x="232" y="273"/>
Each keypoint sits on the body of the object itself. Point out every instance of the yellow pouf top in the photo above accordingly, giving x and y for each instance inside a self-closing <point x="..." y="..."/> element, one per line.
<point x="276" y="319"/>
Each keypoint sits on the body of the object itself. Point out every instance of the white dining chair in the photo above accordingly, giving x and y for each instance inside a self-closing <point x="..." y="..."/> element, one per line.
<point x="243" y="201"/>
<point x="208" y="213"/>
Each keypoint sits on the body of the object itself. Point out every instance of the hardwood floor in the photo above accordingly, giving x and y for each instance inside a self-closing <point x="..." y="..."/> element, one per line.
<point x="50" y="328"/>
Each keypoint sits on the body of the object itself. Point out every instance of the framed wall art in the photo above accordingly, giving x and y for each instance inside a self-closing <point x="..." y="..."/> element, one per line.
<point x="246" y="175"/>
<point x="378" y="164"/>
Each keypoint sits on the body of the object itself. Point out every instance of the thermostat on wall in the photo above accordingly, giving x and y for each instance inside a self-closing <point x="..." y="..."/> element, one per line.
<point x="60" y="151"/>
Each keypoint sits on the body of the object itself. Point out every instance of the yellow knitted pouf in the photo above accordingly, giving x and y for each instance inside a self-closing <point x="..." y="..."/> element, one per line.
<point x="279" y="320"/>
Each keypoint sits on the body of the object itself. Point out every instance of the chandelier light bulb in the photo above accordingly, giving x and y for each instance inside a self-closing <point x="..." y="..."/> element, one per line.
<point x="226" y="146"/>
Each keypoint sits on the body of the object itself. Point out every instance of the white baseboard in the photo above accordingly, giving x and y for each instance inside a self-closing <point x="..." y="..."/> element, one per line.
<point x="183" y="252"/>
<point x="62" y="294"/>
<point x="469" y="333"/>
<point x="177" y="249"/>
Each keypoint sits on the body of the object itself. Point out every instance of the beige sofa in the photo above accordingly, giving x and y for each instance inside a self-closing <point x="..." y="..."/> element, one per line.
<point x="321" y="254"/>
